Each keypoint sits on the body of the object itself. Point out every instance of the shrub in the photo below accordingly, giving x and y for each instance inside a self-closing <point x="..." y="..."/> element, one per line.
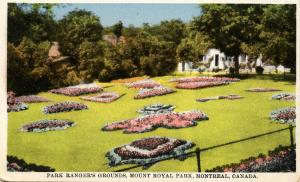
<point x="259" y="70"/>
<point x="15" y="164"/>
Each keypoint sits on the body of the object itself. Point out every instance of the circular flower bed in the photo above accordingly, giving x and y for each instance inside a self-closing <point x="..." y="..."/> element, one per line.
<point x="78" y="89"/>
<point x="105" y="97"/>
<point x="156" y="109"/>
<point x="31" y="99"/>
<point x="263" y="90"/>
<point x="284" y="115"/>
<point x="195" y="85"/>
<point x="229" y="97"/>
<point x="147" y="83"/>
<point x="147" y="150"/>
<point x="64" y="107"/>
<point x="205" y="79"/>
<point x="156" y="91"/>
<point x="47" y="125"/>
<point x="151" y="122"/>
<point x="284" y="96"/>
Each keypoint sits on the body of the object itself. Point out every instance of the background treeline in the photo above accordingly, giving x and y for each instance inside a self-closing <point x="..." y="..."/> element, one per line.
<point x="153" y="50"/>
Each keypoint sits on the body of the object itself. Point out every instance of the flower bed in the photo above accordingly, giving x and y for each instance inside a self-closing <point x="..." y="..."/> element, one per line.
<point x="47" y="125"/>
<point x="147" y="150"/>
<point x="64" y="107"/>
<point x="147" y="83"/>
<point x="13" y="105"/>
<point x="282" y="159"/>
<point x="284" y="115"/>
<point x="78" y="89"/>
<point x="156" y="109"/>
<point x="263" y="90"/>
<point x="156" y="91"/>
<point x="31" y="99"/>
<point x="19" y="165"/>
<point x="229" y="97"/>
<point x="105" y="97"/>
<point x="205" y="79"/>
<point x="195" y="85"/>
<point x="151" y="122"/>
<point x="284" y="96"/>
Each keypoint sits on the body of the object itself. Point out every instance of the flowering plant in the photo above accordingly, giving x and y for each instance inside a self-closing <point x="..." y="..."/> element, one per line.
<point x="147" y="83"/>
<point x="63" y="107"/>
<point x="78" y="89"/>
<point x="151" y="122"/>
<point x="147" y="150"/>
<point x="31" y="99"/>
<point x="284" y="96"/>
<point x="156" y="91"/>
<point x="104" y="97"/>
<point x="195" y="85"/>
<point x="156" y="109"/>
<point x="284" y="115"/>
<point x="205" y="79"/>
<point x="13" y="105"/>
<point x="47" y="125"/>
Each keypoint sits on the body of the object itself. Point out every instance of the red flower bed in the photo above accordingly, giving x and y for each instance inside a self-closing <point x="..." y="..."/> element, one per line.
<point x="147" y="150"/>
<point x="143" y="84"/>
<point x="150" y="122"/>
<point x="156" y="91"/>
<point x="195" y="85"/>
<point x="31" y="99"/>
<point x="105" y="97"/>
<point x="263" y="90"/>
<point x="205" y="79"/>
<point x="78" y="89"/>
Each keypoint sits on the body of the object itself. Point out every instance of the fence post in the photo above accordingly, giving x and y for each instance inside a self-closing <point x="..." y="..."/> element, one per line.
<point x="291" y="135"/>
<point x="198" y="159"/>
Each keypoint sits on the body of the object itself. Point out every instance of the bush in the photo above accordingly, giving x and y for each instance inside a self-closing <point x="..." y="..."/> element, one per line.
<point x="231" y="70"/>
<point x="259" y="70"/>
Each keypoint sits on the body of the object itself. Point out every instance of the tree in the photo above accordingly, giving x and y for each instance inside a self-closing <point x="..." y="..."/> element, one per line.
<point x="117" y="29"/>
<point x="76" y="27"/>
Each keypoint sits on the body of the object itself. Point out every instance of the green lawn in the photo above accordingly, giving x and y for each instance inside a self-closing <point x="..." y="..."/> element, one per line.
<point x="83" y="147"/>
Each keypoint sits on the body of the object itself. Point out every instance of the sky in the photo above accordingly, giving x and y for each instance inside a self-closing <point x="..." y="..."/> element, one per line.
<point x="134" y="14"/>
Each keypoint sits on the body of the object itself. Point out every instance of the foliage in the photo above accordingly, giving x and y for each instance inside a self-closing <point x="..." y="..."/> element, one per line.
<point x="259" y="70"/>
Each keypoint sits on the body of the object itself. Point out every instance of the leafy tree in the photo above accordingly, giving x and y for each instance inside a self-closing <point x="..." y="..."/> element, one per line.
<point x="117" y="29"/>
<point x="76" y="27"/>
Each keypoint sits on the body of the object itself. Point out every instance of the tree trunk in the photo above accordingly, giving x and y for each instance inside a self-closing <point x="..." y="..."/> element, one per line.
<point x="183" y="66"/>
<point x="236" y="64"/>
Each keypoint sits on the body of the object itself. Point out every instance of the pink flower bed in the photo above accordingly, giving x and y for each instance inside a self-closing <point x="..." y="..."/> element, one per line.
<point x="143" y="84"/>
<point x="150" y="122"/>
<point x="205" y="79"/>
<point x="156" y="91"/>
<point x="195" y="85"/>
<point x="147" y="150"/>
<point x="263" y="90"/>
<point x="78" y="89"/>
<point x="31" y="99"/>
<point x="104" y="97"/>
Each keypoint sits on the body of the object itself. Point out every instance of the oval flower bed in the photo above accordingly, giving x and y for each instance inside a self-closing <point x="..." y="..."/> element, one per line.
<point x="31" y="99"/>
<point x="151" y="122"/>
<point x="47" y="125"/>
<point x="78" y="89"/>
<point x="229" y="97"/>
<point x="147" y="150"/>
<point x="195" y="85"/>
<point x="263" y="90"/>
<point x="64" y="107"/>
<point x="156" y="109"/>
<point x="105" y="97"/>
<point x="284" y="96"/>
<point x="205" y="79"/>
<point x="143" y="84"/>
<point x="156" y="91"/>
<point x="284" y="115"/>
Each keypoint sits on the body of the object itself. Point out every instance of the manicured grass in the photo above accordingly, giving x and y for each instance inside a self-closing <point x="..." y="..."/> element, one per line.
<point x="83" y="147"/>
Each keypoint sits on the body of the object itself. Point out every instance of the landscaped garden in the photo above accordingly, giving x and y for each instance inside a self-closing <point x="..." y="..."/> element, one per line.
<point x="99" y="128"/>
